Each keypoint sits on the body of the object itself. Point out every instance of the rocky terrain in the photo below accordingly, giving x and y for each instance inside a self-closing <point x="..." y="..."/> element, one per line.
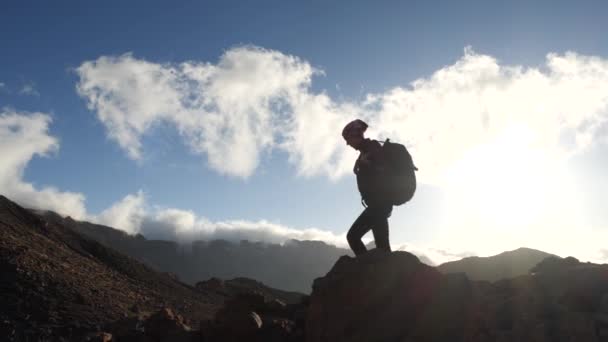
<point x="394" y="297"/>
<point x="58" y="285"/>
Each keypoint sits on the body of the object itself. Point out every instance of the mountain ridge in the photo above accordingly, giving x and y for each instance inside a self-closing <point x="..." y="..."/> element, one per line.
<point x="508" y="264"/>
<point x="273" y="264"/>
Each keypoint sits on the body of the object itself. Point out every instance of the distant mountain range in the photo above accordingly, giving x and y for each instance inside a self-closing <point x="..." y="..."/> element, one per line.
<point x="291" y="266"/>
<point x="502" y="266"/>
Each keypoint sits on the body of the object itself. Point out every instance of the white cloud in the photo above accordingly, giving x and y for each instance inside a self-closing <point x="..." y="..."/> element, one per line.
<point x="29" y="89"/>
<point x="255" y="99"/>
<point x="133" y="215"/>
<point x="126" y="214"/>
<point x="474" y="101"/>
<point x="23" y="136"/>
<point x="505" y="128"/>
<point x="434" y="256"/>
<point x="230" y="111"/>
<point x="185" y="226"/>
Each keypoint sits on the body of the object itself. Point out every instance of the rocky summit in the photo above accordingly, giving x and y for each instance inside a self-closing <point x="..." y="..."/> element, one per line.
<point x="393" y="297"/>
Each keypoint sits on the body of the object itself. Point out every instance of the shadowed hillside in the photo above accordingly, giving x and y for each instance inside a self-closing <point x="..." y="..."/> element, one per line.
<point x="56" y="282"/>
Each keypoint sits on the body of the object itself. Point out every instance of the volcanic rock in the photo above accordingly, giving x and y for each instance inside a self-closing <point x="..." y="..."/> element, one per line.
<point x="393" y="297"/>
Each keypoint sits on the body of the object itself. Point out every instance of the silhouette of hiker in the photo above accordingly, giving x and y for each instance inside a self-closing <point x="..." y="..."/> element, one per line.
<point x="369" y="169"/>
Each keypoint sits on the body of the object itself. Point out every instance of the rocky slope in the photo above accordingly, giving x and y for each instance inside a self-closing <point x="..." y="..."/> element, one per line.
<point x="59" y="285"/>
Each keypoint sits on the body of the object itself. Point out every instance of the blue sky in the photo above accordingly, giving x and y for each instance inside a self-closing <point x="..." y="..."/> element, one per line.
<point x="346" y="59"/>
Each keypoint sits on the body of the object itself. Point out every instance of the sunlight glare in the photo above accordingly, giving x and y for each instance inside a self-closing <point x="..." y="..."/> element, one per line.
<point x="506" y="185"/>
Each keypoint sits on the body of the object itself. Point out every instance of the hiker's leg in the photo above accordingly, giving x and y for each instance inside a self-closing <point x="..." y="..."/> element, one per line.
<point x="380" y="231"/>
<point x="361" y="226"/>
<point x="380" y="227"/>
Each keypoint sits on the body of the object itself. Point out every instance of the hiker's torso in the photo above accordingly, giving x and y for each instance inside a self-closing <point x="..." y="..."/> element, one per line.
<point x="370" y="168"/>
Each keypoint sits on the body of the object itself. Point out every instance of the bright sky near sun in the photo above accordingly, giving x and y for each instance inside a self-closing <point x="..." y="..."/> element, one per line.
<point x="203" y="119"/>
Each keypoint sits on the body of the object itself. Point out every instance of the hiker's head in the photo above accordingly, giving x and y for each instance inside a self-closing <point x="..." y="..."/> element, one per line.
<point x="353" y="133"/>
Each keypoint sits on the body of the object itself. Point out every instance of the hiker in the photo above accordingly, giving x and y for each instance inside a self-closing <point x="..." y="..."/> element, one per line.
<point x="369" y="169"/>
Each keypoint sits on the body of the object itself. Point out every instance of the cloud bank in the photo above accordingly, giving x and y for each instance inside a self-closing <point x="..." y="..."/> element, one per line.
<point x="24" y="135"/>
<point x="254" y="100"/>
<point x="135" y="216"/>
<point x="251" y="101"/>
<point x="490" y="135"/>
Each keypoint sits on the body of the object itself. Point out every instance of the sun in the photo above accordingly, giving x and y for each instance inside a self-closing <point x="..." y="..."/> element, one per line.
<point x="503" y="184"/>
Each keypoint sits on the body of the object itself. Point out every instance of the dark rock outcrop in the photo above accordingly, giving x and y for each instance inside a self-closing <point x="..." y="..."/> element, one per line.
<point x="250" y="317"/>
<point x="385" y="297"/>
<point x="394" y="297"/>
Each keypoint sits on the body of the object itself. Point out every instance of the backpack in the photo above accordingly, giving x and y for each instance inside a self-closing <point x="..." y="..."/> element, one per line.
<point x="400" y="180"/>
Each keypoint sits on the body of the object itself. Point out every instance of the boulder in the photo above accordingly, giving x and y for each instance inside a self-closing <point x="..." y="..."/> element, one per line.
<point x="232" y="326"/>
<point x="383" y="296"/>
<point x="167" y="325"/>
<point x="163" y="326"/>
<point x="99" y="337"/>
<point x="279" y="330"/>
<point x="275" y="307"/>
<point x="237" y="320"/>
